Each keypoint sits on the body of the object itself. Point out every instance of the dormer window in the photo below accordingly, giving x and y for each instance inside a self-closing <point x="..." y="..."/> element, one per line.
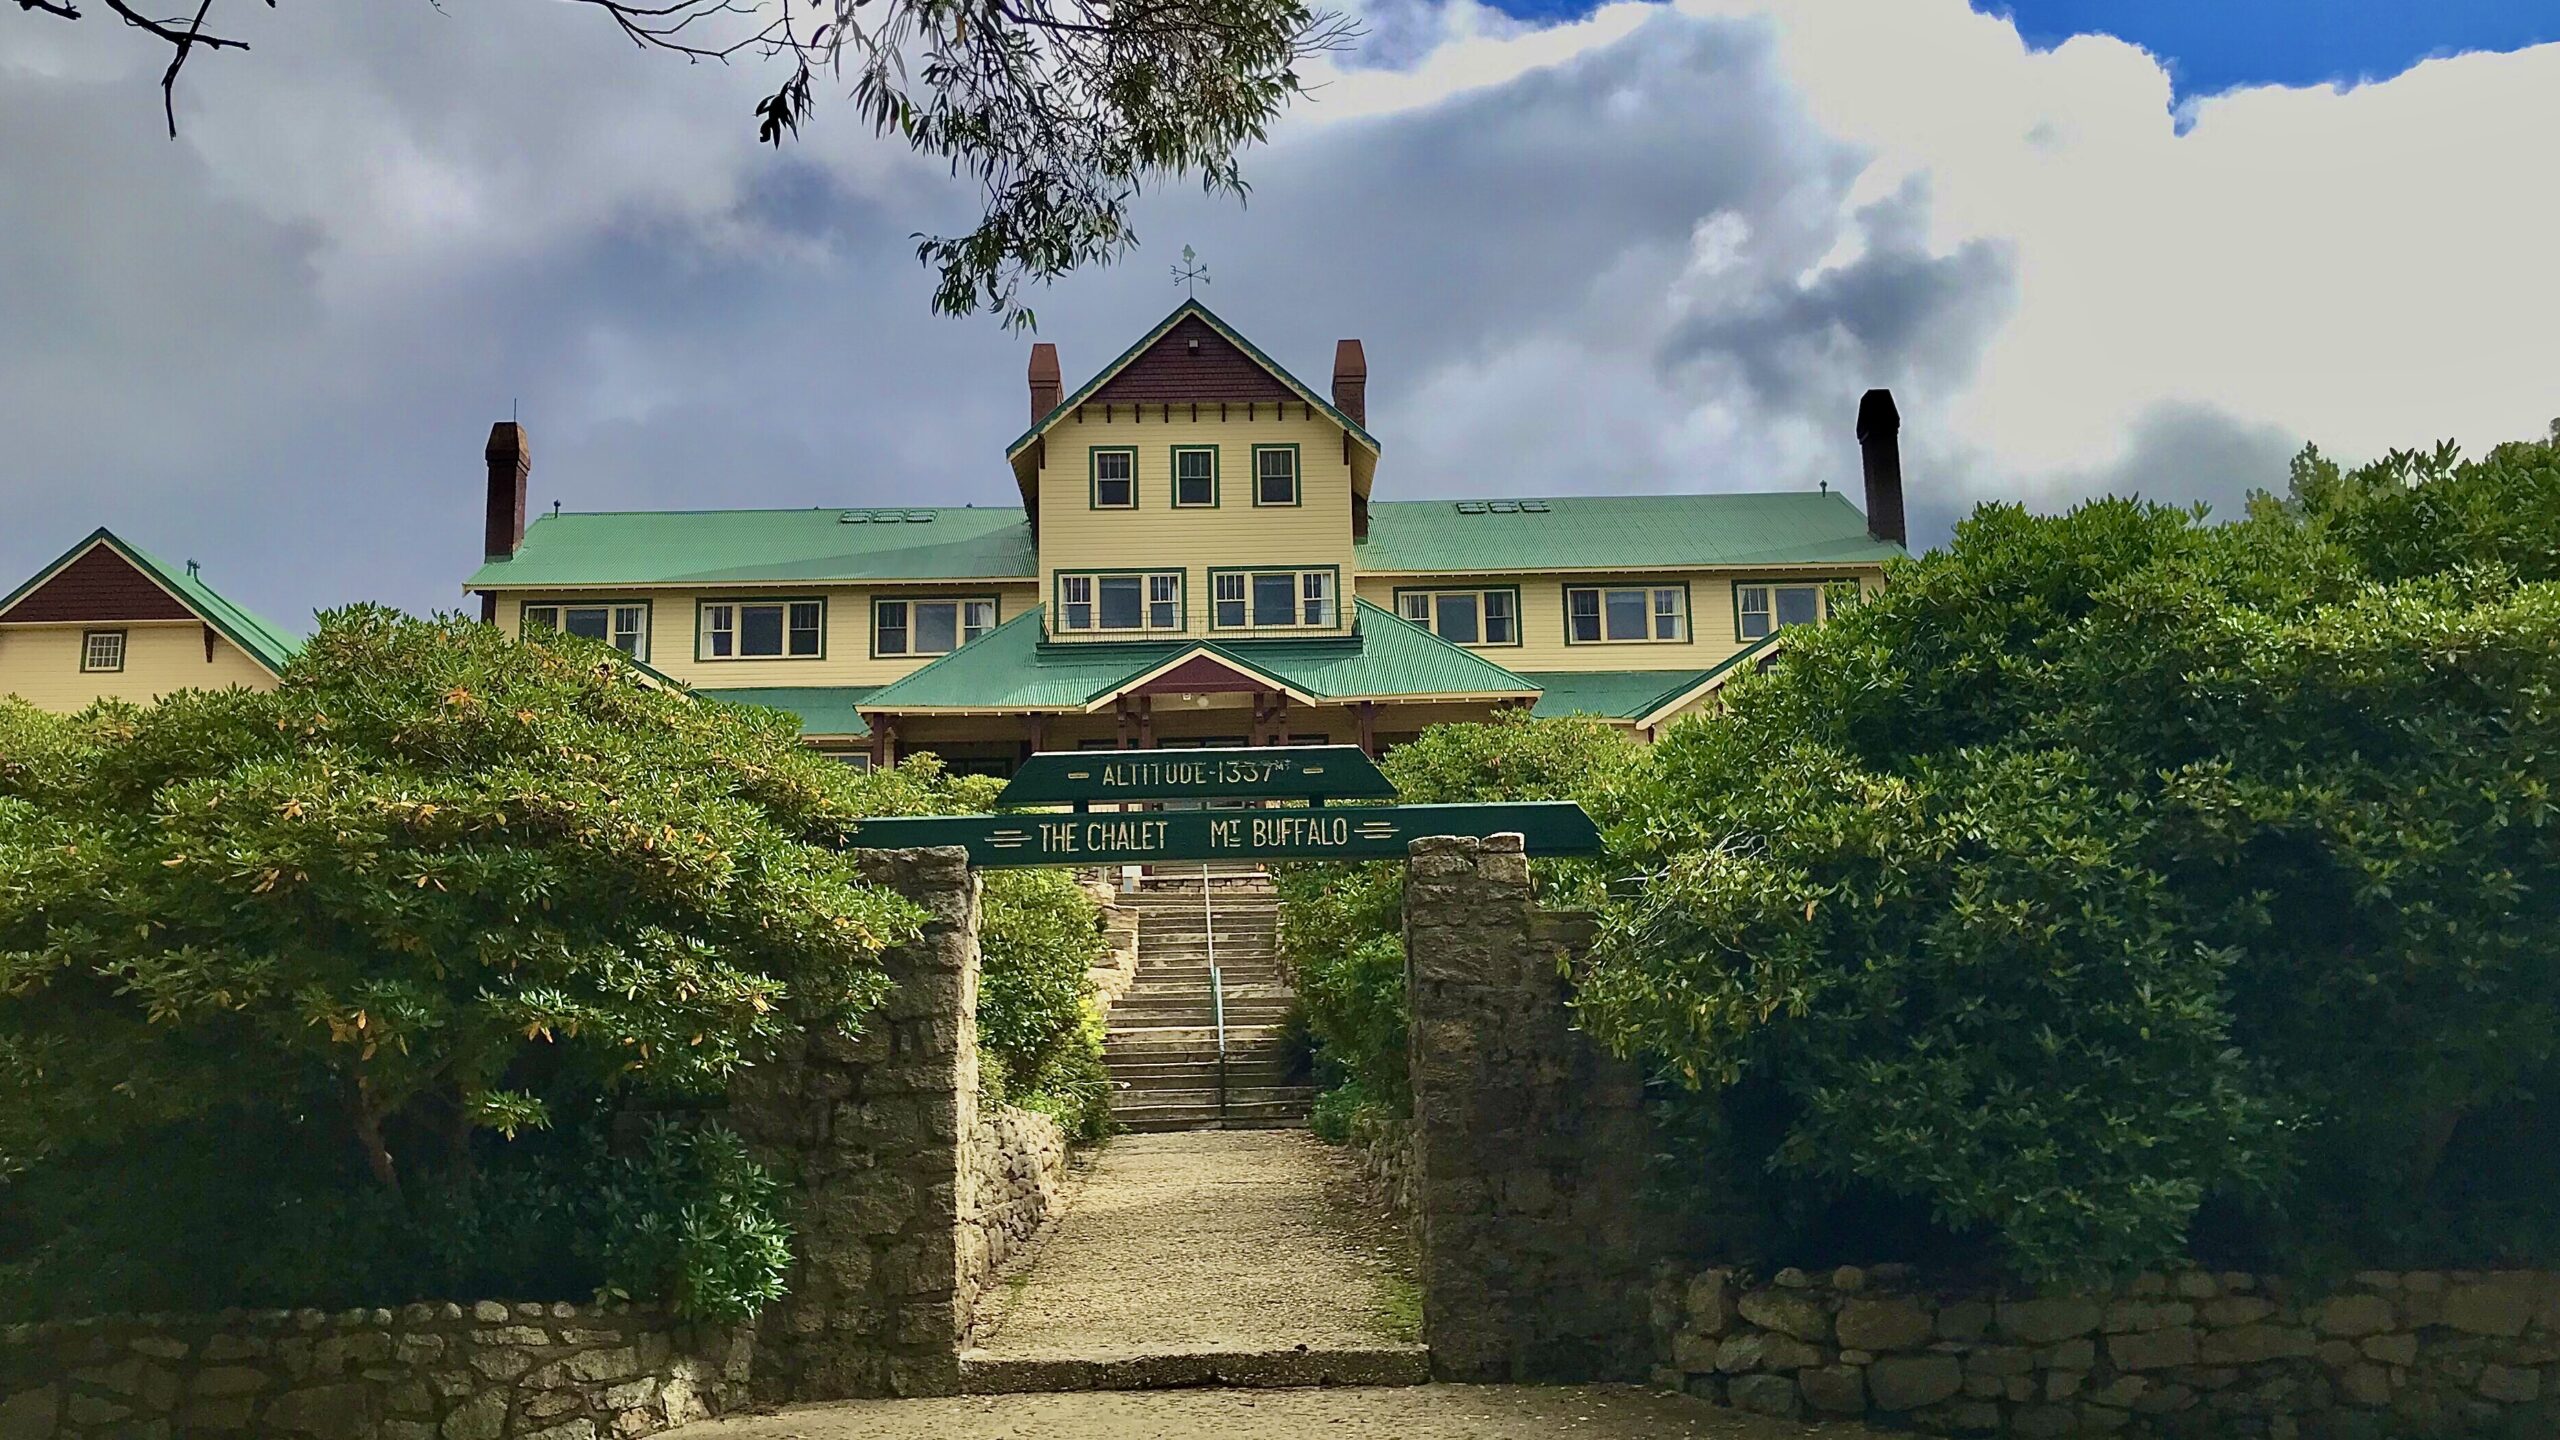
<point x="1115" y="477"/>
<point x="1195" y="477"/>
<point x="1275" y="474"/>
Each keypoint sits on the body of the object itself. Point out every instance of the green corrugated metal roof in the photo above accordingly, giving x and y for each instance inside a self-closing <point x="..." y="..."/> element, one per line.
<point x="747" y="547"/>
<point x="1622" y="532"/>
<point x="1609" y="694"/>
<point x="267" y="643"/>
<point x="823" y="709"/>
<point x="1009" y="668"/>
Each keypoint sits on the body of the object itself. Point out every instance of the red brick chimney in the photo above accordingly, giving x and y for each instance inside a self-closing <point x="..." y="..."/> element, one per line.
<point x="510" y="461"/>
<point x="1045" y="388"/>
<point x="1880" y="455"/>
<point x="1351" y="381"/>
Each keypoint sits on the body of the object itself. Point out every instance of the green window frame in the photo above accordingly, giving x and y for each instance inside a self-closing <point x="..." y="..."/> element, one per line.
<point x="1162" y="596"/>
<point x="1176" y="478"/>
<point x="1760" y="607"/>
<point x="1297" y="477"/>
<point x="967" y="623"/>
<point x="1661" y="601"/>
<point x="1422" y="605"/>
<point x="1251" y="593"/>
<point x="614" y="615"/>
<point x="102" y="651"/>
<point x="1094" y="477"/>
<point x="722" y="628"/>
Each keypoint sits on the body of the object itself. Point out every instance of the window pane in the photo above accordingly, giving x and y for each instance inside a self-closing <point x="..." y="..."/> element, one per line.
<point x="1799" y="604"/>
<point x="1582" y="607"/>
<point x="1276" y="473"/>
<point x="804" y="627"/>
<point x="1164" y="602"/>
<point x="889" y="626"/>
<point x="587" y="621"/>
<point x="1077" y="601"/>
<point x="978" y="617"/>
<point x="937" y="627"/>
<point x="1499" y="626"/>
<point x="1416" y="608"/>
<point x="630" y="627"/>
<point x="1194" y="480"/>
<point x="544" y="616"/>
<point x="1114" y="479"/>
<point x="759" y="629"/>
<point x="1315" y="589"/>
<point x="1120" y="602"/>
<point x="1667" y="615"/>
<point x="1626" y="612"/>
<point x="719" y="640"/>
<point x="1457" y="620"/>
<point x="1275" y="595"/>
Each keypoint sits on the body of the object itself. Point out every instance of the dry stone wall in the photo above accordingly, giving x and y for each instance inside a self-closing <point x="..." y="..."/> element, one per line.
<point x="1528" y="1141"/>
<point x="422" y="1372"/>
<point x="1018" y="1161"/>
<point x="2390" y="1354"/>
<point x="876" y="1131"/>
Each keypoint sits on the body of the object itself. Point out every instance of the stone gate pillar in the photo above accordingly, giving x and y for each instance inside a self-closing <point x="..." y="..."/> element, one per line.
<point x="873" y="1131"/>
<point x="1529" y="1141"/>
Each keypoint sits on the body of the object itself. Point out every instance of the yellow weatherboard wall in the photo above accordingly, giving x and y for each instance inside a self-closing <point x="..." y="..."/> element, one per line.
<point x="1314" y="533"/>
<point x="40" y="664"/>
<point x="674" y="622"/>
<point x="1542" y="646"/>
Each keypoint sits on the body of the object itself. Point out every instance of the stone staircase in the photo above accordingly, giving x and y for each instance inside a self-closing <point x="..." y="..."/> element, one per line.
<point x="1162" y="1045"/>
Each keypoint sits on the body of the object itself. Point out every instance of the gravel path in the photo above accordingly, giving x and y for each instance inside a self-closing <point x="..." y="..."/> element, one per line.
<point x="1423" y="1412"/>
<point x="1202" y="1241"/>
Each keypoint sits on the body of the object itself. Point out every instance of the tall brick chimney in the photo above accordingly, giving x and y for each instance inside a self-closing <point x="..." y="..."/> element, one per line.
<point x="1351" y="381"/>
<point x="1045" y="388"/>
<point x="1880" y="455"/>
<point x="510" y="461"/>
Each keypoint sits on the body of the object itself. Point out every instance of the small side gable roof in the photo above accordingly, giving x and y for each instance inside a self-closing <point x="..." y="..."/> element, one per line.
<point x="263" y="641"/>
<point x="1186" y="310"/>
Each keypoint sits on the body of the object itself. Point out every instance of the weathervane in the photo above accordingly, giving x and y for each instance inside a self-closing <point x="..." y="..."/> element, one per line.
<point x="1190" y="272"/>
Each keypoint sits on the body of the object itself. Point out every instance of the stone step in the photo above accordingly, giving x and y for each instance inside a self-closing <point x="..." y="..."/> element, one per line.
<point x="1122" y="1038"/>
<point x="1208" y="1116"/>
<point x="1237" y="1097"/>
<point x="1156" y="1369"/>
<point x="1200" y="1075"/>
<point x="1197" y="1058"/>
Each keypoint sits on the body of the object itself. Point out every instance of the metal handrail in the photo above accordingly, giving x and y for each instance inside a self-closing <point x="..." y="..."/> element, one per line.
<point x="1217" y="984"/>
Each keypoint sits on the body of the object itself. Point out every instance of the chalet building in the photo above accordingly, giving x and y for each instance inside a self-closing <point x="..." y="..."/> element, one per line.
<point x="1203" y="555"/>
<point x="109" y="621"/>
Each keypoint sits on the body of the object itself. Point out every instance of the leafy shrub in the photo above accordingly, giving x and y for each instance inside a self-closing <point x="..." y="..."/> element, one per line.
<point x="437" y="894"/>
<point x="1039" y="1036"/>
<point x="694" y="1220"/>
<point x="2114" y="881"/>
<point x="1342" y="925"/>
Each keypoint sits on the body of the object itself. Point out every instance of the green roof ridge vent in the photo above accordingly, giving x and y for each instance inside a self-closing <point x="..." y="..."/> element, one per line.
<point x="1470" y="507"/>
<point x="853" y="517"/>
<point x="919" y="517"/>
<point x="1503" y="507"/>
<point x="1533" y="507"/>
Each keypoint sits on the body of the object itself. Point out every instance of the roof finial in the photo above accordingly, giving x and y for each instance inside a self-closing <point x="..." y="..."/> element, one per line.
<point x="192" y="568"/>
<point x="555" y="507"/>
<point x="1190" y="273"/>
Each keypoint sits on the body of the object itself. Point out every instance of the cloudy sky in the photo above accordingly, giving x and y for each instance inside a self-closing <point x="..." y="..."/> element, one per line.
<point x="1647" y="247"/>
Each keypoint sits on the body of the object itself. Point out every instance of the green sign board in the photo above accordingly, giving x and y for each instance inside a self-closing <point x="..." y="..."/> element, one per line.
<point x="1343" y="832"/>
<point x="1296" y="772"/>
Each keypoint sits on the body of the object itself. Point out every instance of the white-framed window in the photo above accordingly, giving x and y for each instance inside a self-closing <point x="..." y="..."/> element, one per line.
<point x="1136" y="602"/>
<point x="764" y="630"/>
<point x="1275" y="475"/>
<point x="101" y="651"/>
<point x="1115" y="478"/>
<point x="1465" y="617"/>
<point x="929" y="627"/>
<point x="1195" y="477"/>
<point x="1762" y="610"/>
<point x="1272" y="600"/>
<point x="622" y="625"/>
<point x="1626" y="615"/>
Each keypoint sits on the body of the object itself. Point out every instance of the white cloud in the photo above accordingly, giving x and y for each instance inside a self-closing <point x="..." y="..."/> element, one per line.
<point x="1659" y="248"/>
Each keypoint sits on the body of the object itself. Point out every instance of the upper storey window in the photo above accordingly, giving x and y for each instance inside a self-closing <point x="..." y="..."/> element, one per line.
<point x="763" y="630"/>
<point x="1465" y="617"/>
<point x="1628" y="615"/>
<point x="101" y="651"/>
<point x="1763" y="610"/>
<point x="1275" y="474"/>
<point x="1272" y="599"/>
<point x="929" y="627"/>
<point x="1195" y="477"/>
<point x="1115" y="477"/>
<point x="623" y="626"/>
<point x="1133" y="602"/>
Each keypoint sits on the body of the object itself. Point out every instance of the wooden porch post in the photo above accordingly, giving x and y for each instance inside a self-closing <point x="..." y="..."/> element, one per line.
<point x="1369" y="727"/>
<point x="1120" y="713"/>
<point x="884" y="744"/>
<point x="1146" y="722"/>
